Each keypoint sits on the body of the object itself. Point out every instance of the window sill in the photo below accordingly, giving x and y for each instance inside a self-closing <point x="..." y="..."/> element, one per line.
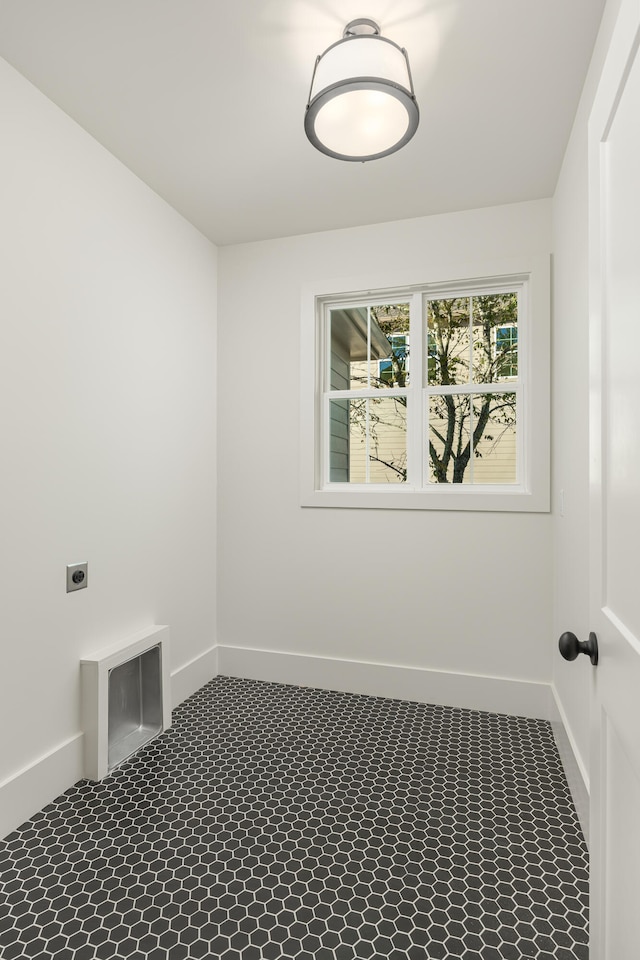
<point x="488" y="499"/>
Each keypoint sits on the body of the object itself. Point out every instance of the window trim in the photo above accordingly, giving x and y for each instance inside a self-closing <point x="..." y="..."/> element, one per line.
<point x="532" y="494"/>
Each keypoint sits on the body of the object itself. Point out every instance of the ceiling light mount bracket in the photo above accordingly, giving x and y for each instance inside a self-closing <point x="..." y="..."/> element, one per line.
<point x="363" y="27"/>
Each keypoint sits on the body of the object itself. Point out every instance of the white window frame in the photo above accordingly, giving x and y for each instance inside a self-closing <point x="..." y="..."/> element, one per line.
<point x="531" y="491"/>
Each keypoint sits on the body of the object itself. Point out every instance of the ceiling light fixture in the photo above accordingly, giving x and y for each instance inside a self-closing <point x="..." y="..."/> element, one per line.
<point x="361" y="103"/>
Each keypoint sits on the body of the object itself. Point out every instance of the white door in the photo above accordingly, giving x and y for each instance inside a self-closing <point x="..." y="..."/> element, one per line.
<point x="614" y="200"/>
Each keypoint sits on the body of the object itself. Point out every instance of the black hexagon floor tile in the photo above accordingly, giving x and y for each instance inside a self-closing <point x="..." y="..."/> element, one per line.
<point x="275" y="822"/>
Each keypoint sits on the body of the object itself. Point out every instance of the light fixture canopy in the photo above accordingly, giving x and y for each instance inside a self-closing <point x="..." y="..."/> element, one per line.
<point x="361" y="105"/>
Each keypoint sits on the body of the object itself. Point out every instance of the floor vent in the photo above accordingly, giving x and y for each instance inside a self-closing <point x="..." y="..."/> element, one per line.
<point x="126" y="699"/>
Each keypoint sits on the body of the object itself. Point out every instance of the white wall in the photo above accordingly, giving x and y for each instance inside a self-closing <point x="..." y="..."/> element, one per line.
<point x="107" y="382"/>
<point x="570" y="405"/>
<point x="446" y="591"/>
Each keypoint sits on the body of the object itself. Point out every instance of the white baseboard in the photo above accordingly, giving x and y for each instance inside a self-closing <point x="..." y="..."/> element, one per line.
<point x="40" y="782"/>
<point x="193" y="675"/>
<point x="574" y="768"/>
<point x="495" y="694"/>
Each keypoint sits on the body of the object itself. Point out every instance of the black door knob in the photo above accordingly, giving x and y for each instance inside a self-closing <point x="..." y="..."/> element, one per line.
<point x="570" y="647"/>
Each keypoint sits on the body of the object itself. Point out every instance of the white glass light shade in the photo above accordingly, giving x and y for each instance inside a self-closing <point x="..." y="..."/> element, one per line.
<point x="361" y="105"/>
<point x="354" y="57"/>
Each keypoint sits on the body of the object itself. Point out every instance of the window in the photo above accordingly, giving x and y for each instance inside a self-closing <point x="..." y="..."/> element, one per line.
<point x="472" y="427"/>
<point x="506" y="350"/>
<point x="424" y="398"/>
<point x="394" y="370"/>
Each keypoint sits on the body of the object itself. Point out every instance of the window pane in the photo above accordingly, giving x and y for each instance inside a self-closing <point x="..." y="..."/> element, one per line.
<point x="339" y="440"/>
<point x="494" y="417"/>
<point x="491" y="457"/>
<point x="495" y="337"/>
<point x="448" y="341"/>
<point x="370" y="347"/>
<point x="449" y="441"/>
<point x="349" y="350"/>
<point x="507" y="351"/>
<point x="392" y="321"/>
<point x="368" y="440"/>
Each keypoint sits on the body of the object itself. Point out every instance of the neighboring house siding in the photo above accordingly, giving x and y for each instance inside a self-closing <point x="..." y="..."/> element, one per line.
<point x="339" y="422"/>
<point x="387" y="444"/>
<point x="495" y="460"/>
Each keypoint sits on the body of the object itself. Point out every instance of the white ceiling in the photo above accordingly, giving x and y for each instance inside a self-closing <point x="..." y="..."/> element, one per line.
<point x="204" y="100"/>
